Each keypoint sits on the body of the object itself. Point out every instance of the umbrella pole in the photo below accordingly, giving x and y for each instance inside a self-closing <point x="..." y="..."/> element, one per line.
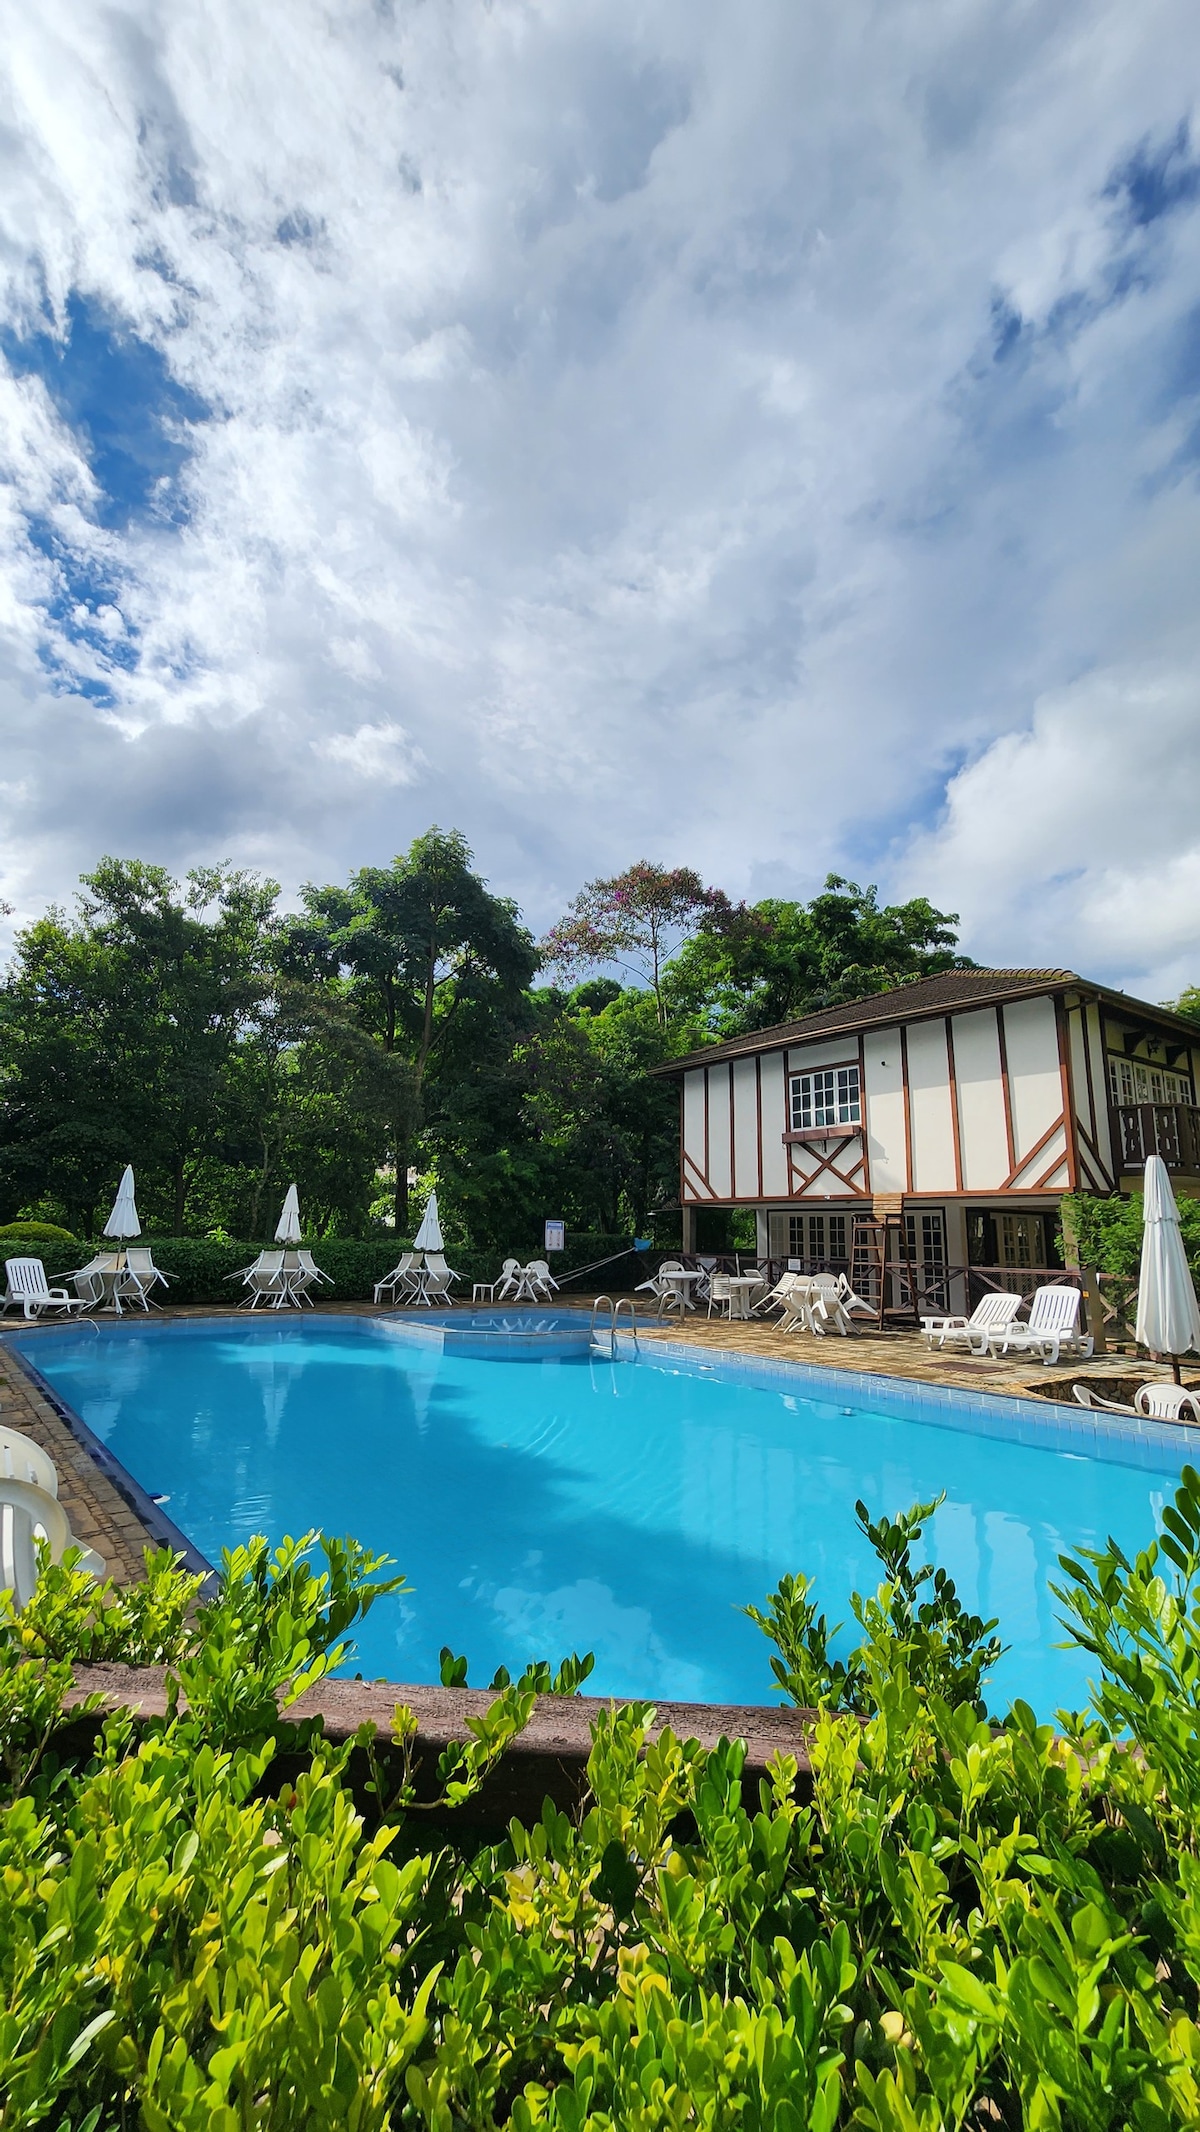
<point x="1175" y="1375"/>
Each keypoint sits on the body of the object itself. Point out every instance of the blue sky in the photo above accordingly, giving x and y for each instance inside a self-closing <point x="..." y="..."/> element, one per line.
<point x="760" y="440"/>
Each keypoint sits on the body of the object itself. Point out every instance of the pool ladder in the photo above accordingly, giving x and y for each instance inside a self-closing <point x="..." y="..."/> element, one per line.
<point x="624" y="1302"/>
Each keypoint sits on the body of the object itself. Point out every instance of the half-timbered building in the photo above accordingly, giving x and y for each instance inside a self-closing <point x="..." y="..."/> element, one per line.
<point x="966" y="1105"/>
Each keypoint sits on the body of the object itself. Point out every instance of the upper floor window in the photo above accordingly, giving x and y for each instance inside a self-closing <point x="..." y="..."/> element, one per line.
<point x="828" y="1098"/>
<point x="1133" y="1081"/>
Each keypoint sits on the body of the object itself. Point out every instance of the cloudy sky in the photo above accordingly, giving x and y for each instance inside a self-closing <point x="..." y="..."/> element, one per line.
<point x="763" y="437"/>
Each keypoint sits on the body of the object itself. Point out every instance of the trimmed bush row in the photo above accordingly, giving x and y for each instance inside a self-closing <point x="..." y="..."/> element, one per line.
<point x="200" y="1269"/>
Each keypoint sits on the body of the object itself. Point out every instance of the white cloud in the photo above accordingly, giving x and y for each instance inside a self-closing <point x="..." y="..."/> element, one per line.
<point x="615" y="448"/>
<point x="383" y="754"/>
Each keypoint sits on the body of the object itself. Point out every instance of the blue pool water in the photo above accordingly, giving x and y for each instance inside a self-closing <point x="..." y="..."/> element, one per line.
<point x="556" y="1500"/>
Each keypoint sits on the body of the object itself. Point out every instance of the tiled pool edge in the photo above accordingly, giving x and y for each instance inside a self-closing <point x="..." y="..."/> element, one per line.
<point x="160" y="1530"/>
<point x="1155" y="1446"/>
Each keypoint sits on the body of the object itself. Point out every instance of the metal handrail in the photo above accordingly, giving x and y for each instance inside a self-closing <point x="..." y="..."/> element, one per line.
<point x="630" y="1305"/>
<point x="612" y="1319"/>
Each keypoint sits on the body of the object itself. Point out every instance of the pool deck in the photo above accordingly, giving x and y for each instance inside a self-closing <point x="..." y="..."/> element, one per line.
<point x="102" y="1518"/>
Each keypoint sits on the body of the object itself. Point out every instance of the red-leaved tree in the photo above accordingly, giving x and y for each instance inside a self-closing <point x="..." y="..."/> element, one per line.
<point x="634" y="922"/>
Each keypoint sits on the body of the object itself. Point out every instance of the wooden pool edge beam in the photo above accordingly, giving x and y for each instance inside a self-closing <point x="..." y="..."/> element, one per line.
<point x="547" y="1760"/>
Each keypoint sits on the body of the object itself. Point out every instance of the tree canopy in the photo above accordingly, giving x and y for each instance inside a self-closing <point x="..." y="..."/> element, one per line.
<point x="402" y="1022"/>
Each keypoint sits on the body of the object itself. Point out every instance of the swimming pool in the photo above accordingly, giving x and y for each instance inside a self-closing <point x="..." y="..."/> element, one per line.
<point x="565" y="1501"/>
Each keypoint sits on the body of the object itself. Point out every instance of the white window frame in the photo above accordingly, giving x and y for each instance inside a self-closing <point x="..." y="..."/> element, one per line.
<point x="823" y="1098"/>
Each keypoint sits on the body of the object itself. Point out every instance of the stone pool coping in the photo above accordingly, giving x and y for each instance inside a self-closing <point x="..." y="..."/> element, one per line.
<point x="547" y="1760"/>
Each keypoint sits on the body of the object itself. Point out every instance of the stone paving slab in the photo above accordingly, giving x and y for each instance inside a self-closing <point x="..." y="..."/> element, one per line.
<point x="100" y="1517"/>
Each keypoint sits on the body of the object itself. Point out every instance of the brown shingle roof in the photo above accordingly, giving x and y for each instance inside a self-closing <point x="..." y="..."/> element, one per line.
<point x="907" y="1002"/>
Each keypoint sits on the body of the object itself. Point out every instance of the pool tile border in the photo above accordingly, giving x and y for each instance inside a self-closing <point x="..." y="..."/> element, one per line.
<point x="1040" y="1424"/>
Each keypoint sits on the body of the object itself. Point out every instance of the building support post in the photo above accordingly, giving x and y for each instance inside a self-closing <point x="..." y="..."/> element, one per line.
<point x="1093" y="1308"/>
<point x="687" y="1227"/>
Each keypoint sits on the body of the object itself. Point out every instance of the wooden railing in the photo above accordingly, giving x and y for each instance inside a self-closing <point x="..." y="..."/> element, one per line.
<point x="927" y="1288"/>
<point x="1171" y="1130"/>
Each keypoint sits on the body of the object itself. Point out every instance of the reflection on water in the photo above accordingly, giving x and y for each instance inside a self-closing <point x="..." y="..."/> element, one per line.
<point x="565" y="1502"/>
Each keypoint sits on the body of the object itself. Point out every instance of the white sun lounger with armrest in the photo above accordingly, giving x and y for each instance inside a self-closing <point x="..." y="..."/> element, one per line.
<point x="28" y="1286"/>
<point x="1052" y="1329"/>
<point x="992" y="1314"/>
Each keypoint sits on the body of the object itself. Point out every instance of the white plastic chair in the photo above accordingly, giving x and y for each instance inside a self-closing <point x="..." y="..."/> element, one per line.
<point x="23" y="1460"/>
<point x="510" y="1279"/>
<point x="402" y="1279"/>
<point x="993" y="1313"/>
<point x="826" y="1309"/>
<point x="799" y="1305"/>
<point x="28" y="1513"/>
<point x="27" y="1285"/>
<point x="541" y="1280"/>
<point x="655" y="1284"/>
<point x="1167" y="1402"/>
<point x="1053" y="1326"/>
<point x="720" y="1293"/>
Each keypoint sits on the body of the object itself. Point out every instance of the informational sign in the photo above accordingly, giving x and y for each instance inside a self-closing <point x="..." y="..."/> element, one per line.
<point x="556" y="1236"/>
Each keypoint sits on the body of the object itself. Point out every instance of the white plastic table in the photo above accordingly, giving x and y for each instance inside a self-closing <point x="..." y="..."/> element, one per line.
<point x="741" y="1288"/>
<point x="680" y="1285"/>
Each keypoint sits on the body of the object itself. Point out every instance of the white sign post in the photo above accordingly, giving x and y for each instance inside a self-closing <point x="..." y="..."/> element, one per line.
<point x="556" y="1236"/>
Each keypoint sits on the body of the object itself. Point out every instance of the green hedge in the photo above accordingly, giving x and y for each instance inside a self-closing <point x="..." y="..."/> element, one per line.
<point x="200" y="1268"/>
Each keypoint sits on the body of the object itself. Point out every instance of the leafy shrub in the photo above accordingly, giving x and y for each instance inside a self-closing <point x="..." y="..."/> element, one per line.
<point x="34" y="1232"/>
<point x="1109" y="1231"/>
<point x="962" y="1924"/>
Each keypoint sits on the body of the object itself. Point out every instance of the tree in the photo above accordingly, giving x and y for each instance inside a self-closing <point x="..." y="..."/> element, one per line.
<point x="778" y="961"/>
<point x="1187" y="1004"/>
<point x="636" y="922"/>
<point x="117" y="1028"/>
<point x="409" y="946"/>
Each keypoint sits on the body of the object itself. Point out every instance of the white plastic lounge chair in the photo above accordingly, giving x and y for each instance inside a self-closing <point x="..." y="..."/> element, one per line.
<point x="302" y="1273"/>
<point x="95" y="1282"/>
<point x="138" y="1276"/>
<point x="776" y="1298"/>
<point x="23" y="1460"/>
<point x="993" y="1313"/>
<point x="436" y="1278"/>
<point x="264" y="1281"/>
<point x="1091" y="1399"/>
<point x="1167" y="1402"/>
<point x="402" y="1280"/>
<point x="27" y="1285"/>
<point x="27" y="1514"/>
<point x="510" y="1279"/>
<point x="1053" y="1327"/>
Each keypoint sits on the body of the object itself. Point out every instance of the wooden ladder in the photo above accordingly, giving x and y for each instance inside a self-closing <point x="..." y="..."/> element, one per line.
<point x="882" y="1268"/>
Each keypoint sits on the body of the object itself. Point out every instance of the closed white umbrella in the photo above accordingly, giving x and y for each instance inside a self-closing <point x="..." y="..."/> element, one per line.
<point x="287" y="1229"/>
<point x="429" y="1235"/>
<point x="1168" y="1315"/>
<point x="123" y="1221"/>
